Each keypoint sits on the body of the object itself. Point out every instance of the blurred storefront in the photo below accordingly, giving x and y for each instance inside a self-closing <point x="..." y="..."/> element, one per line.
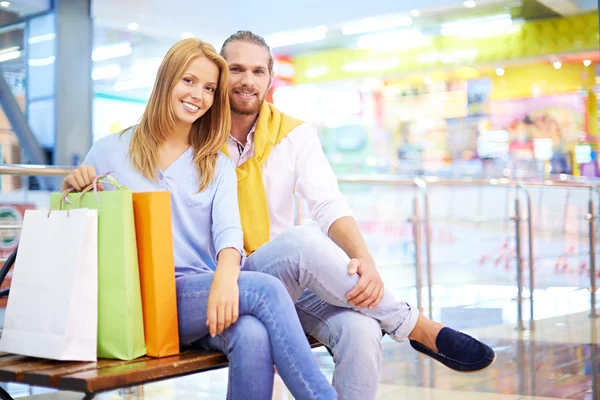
<point x="487" y="97"/>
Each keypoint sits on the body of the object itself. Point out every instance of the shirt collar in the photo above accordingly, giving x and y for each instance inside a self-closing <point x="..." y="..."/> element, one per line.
<point x="250" y="136"/>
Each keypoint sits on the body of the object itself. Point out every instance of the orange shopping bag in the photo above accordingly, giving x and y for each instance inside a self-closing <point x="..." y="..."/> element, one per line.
<point x="157" y="272"/>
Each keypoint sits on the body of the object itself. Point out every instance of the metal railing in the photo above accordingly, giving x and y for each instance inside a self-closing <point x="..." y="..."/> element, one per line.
<point x="421" y="222"/>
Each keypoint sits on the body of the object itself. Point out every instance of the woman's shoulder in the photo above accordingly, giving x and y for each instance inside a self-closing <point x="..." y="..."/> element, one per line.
<point x="224" y="164"/>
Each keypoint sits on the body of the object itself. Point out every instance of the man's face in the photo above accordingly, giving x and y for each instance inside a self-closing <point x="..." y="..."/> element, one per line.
<point x="249" y="77"/>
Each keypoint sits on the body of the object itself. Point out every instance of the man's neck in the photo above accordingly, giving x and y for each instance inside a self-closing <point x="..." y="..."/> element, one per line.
<point x="241" y="125"/>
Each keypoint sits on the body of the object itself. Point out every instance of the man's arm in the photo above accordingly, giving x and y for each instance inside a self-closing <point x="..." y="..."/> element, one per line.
<point x="345" y="233"/>
<point x="317" y="184"/>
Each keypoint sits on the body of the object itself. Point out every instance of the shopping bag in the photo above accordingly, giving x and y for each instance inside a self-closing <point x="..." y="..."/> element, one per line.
<point x="154" y="233"/>
<point x="53" y="302"/>
<point x="120" y="320"/>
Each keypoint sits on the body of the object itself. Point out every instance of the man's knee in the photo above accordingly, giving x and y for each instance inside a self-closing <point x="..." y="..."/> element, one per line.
<point x="308" y="244"/>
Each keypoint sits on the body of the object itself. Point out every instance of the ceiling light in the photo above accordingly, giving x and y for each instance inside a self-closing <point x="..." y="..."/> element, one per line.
<point x="11" y="55"/>
<point x="41" y="62"/>
<point x="134" y="84"/>
<point x="41" y="38"/>
<point x="587" y="63"/>
<point x="478" y="27"/>
<point x="557" y="64"/>
<point x="470" y="4"/>
<point x="375" y="24"/>
<point x="296" y="37"/>
<point x="133" y="26"/>
<point x="400" y="40"/>
<point x="113" y="51"/>
<point x="109" y="71"/>
<point x="500" y="71"/>
<point x="5" y="3"/>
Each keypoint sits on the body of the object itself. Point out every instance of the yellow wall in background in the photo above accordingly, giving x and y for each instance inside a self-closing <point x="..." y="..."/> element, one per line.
<point x="541" y="79"/>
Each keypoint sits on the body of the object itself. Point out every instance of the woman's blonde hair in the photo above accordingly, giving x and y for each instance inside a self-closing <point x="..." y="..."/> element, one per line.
<point x="208" y="133"/>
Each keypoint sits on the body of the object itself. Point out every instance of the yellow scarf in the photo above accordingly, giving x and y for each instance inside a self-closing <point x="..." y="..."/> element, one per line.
<point x="272" y="126"/>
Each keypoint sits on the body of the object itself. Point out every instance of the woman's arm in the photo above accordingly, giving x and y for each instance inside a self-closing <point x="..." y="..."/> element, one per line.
<point x="223" y="300"/>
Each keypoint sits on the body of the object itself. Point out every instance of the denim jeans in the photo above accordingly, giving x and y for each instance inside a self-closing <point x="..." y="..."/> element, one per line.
<point x="315" y="273"/>
<point x="267" y="332"/>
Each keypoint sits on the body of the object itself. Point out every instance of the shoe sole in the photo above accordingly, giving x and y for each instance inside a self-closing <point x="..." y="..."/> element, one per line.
<point x="465" y="372"/>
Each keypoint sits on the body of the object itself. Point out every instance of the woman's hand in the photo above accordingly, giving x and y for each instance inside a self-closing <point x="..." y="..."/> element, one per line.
<point x="81" y="178"/>
<point x="223" y="304"/>
<point x="224" y="298"/>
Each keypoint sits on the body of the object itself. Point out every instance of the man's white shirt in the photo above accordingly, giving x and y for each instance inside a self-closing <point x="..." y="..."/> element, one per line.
<point x="296" y="164"/>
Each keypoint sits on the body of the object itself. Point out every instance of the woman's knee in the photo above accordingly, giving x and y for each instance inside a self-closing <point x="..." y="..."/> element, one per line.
<point x="247" y="332"/>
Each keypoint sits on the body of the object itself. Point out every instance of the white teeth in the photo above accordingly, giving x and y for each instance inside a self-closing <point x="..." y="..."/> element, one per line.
<point x="189" y="106"/>
<point x="246" y="94"/>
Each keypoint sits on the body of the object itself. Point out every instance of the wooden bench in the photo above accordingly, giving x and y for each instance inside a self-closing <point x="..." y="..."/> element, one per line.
<point x="104" y="375"/>
<point x="91" y="378"/>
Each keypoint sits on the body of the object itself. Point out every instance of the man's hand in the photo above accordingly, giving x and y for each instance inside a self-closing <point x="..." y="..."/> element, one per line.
<point x="368" y="292"/>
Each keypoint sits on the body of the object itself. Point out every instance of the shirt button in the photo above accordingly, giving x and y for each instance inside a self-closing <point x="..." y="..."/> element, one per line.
<point x="160" y="176"/>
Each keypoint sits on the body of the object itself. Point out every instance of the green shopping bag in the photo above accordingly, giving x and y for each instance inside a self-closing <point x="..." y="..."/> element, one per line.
<point x="120" y="318"/>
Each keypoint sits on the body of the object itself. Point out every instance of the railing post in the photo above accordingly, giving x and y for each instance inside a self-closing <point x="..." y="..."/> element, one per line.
<point x="531" y="257"/>
<point x="416" y="221"/>
<point x="591" y="217"/>
<point x="428" y="252"/>
<point x="422" y="185"/>
<point x="517" y="219"/>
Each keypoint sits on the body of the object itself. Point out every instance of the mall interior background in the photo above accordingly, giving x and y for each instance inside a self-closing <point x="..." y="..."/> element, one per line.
<point x="473" y="92"/>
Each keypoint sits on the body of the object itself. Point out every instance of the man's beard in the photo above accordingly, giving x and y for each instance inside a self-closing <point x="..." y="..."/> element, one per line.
<point x="246" y="108"/>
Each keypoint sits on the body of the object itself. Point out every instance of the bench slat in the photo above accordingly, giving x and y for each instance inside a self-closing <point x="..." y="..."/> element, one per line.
<point x="15" y="372"/>
<point x="144" y="371"/>
<point x="50" y="377"/>
<point x="13" y="359"/>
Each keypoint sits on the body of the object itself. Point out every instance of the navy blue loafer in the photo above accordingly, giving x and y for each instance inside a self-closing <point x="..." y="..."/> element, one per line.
<point x="459" y="352"/>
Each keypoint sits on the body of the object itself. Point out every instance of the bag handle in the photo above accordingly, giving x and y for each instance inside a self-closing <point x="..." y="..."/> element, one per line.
<point x="65" y="198"/>
<point x="105" y="178"/>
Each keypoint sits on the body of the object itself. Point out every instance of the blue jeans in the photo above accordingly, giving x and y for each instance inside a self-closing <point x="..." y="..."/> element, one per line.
<point x="268" y="332"/>
<point x="315" y="273"/>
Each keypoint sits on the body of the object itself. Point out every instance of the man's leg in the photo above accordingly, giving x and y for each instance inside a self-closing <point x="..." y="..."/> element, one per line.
<point x="355" y="341"/>
<point x="304" y="259"/>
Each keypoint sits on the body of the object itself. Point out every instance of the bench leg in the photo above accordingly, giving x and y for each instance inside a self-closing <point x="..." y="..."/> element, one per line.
<point x="89" y="396"/>
<point x="4" y="394"/>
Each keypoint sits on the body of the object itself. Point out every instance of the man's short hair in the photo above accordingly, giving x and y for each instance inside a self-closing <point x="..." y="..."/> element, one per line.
<point x="249" y="37"/>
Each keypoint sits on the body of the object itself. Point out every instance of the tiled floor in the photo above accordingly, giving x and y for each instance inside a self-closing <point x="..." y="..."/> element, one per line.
<point x="554" y="361"/>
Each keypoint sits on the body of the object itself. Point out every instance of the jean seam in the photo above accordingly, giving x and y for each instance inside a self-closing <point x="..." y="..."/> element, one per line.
<point x="323" y="320"/>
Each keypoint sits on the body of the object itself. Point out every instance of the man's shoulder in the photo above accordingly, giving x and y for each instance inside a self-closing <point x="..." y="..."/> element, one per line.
<point x="300" y="135"/>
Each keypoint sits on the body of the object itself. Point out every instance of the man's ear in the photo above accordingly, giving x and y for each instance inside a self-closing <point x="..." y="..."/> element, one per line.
<point x="270" y="82"/>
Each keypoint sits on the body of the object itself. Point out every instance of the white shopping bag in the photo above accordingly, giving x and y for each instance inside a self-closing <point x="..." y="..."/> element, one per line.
<point x="52" y="309"/>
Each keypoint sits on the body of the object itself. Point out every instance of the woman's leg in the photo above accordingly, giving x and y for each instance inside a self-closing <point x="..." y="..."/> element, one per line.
<point x="265" y="298"/>
<point x="254" y="372"/>
<point x="248" y="349"/>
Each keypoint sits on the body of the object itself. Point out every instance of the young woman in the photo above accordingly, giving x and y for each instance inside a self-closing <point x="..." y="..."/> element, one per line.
<point x="175" y="147"/>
